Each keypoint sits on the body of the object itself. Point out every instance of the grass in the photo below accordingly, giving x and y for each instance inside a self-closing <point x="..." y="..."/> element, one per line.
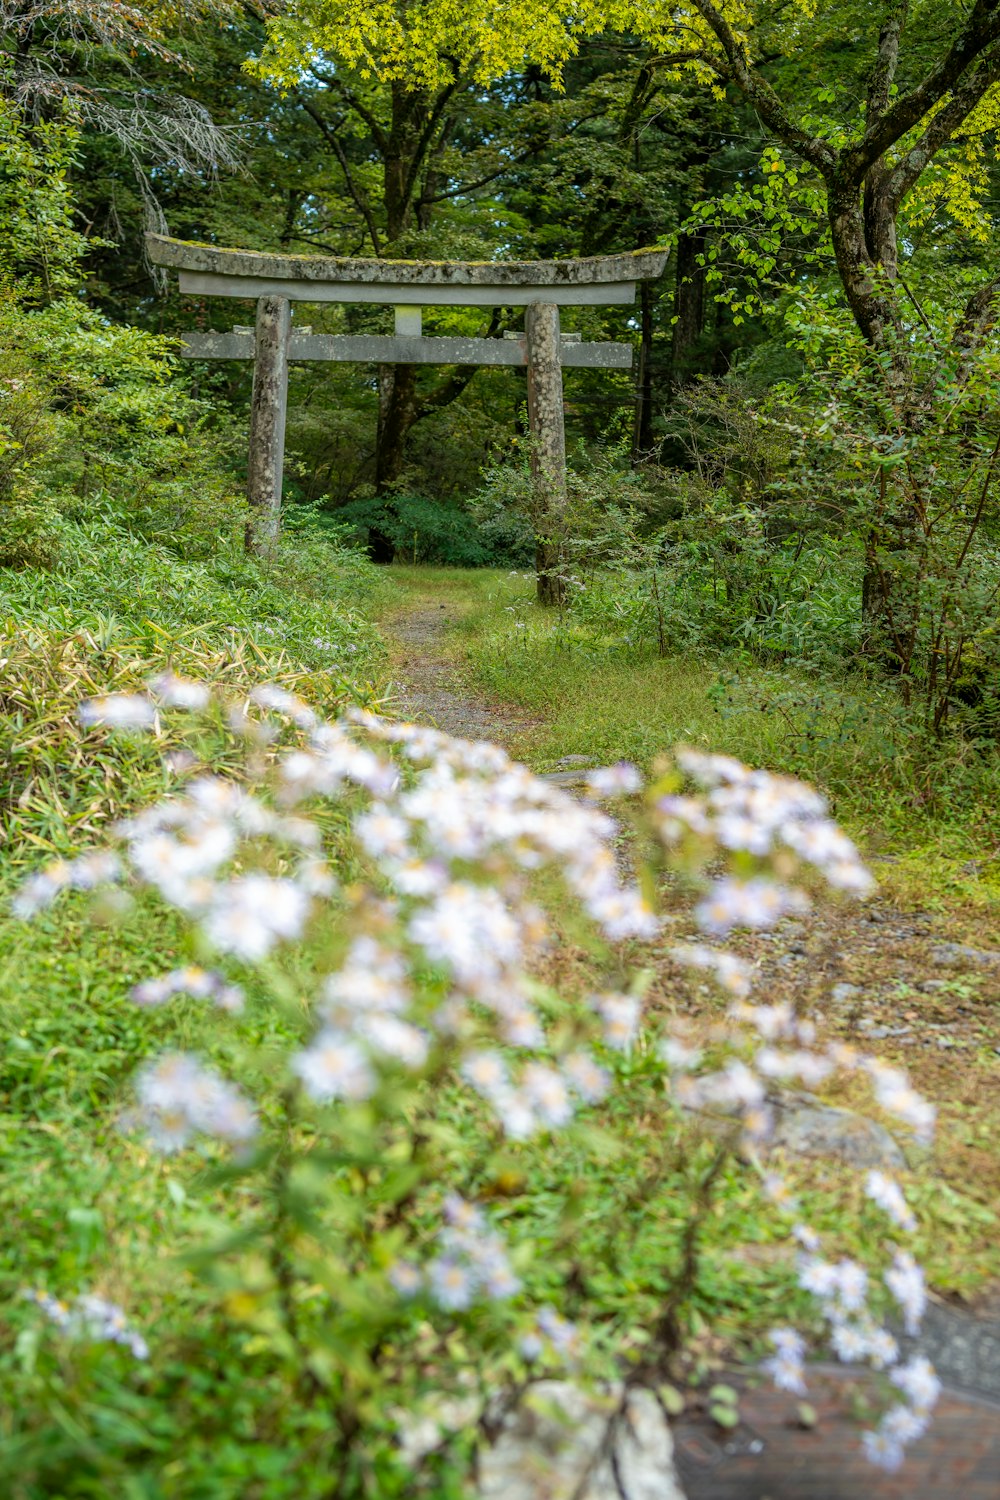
<point x="86" y="1206"/>
<point x="936" y="817"/>
<point x="581" y="695"/>
<point x="82" y="1205"/>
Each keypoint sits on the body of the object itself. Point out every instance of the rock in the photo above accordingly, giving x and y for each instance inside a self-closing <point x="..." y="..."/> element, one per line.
<point x="565" y="778"/>
<point x="806" y="1127"/>
<point x="961" y="953"/>
<point x="842" y="994"/>
<point x="566" y="1443"/>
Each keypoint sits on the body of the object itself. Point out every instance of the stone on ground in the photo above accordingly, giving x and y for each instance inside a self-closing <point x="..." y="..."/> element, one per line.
<point x="566" y="1443"/>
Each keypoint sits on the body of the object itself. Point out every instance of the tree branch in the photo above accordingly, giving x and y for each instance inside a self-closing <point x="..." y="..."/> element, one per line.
<point x="886" y="61"/>
<point x="980" y="31"/>
<point x="331" y="81"/>
<point x="426" y="138"/>
<point x="812" y="148"/>
<point x="942" y="128"/>
<point x="358" y="197"/>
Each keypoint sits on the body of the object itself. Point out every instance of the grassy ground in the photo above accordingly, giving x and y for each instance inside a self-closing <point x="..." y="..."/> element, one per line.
<point x="934" y="821"/>
<point x="555" y="692"/>
<point x="84" y="1206"/>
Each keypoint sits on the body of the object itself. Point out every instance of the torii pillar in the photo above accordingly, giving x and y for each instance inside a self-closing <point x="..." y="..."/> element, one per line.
<point x="541" y="287"/>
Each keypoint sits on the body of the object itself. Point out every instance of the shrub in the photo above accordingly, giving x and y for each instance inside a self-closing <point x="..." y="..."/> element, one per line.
<point x="422" y="1137"/>
<point x="426" y="531"/>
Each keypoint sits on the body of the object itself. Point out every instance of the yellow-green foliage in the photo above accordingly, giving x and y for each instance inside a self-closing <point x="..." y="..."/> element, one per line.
<point x="428" y="44"/>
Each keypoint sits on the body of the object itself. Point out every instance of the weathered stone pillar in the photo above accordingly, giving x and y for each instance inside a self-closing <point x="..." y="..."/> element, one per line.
<point x="546" y="420"/>
<point x="268" y="410"/>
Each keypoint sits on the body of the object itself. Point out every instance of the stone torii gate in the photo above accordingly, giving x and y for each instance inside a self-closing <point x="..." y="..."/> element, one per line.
<point x="276" y="281"/>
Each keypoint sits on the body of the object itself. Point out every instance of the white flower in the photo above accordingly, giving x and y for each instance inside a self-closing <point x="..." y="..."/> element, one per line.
<point x="521" y="1028"/>
<point x="918" y="1380"/>
<point x="547" y="1093"/>
<point x="452" y="1284"/>
<point x="905" y="1280"/>
<point x="94" y="1318"/>
<point x="395" y="1038"/>
<point x="777" y="1190"/>
<point x="383" y="833"/>
<point x="747" y="903"/>
<point x="888" y="1195"/>
<point x="118" y="711"/>
<point x="620" y="1015"/>
<point x="623" y="914"/>
<point x="850" y="1342"/>
<point x="589" y="1080"/>
<point x="787" y="1373"/>
<point x="516" y="1114"/>
<point x="621" y="780"/>
<point x="470" y="929"/>
<point x="819" y="1277"/>
<point x="789" y="1342"/>
<point x="882" y="1450"/>
<point x="882" y="1348"/>
<point x="852" y="1285"/>
<point x="275" y="699"/>
<point x="252" y="913"/>
<point x="901" y="1424"/>
<point x="178" y="1095"/>
<point x="180" y="692"/>
<point x="679" y="1057"/>
<point x="334" y="1067"/>
<point x="487" y="1072"/>
<point x="731" y="973"/>
<point x="407" y="1280"/>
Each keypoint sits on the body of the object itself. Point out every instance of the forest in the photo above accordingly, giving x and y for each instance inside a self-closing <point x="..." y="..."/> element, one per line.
<point x="499" y="952"/>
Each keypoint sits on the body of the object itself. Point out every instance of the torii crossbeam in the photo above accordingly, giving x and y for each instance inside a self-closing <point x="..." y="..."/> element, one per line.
<point x="276" y="281"/>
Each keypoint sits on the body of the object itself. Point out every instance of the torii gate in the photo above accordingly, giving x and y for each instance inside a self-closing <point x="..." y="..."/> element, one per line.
<point x="276" y="281"/>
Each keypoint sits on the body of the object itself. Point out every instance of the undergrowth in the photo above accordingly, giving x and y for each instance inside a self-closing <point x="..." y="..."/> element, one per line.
<point x="931" y="807"/>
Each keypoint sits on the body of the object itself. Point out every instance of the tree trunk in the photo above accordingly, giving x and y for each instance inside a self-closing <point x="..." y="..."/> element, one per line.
<point x="642" y="430"/>
<point x="396" y="413"/>
<point x="689" y="306"/>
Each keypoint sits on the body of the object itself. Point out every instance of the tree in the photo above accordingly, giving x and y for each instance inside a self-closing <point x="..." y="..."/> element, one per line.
<point x="91" y="54"/>
<point x="930" y="106"/>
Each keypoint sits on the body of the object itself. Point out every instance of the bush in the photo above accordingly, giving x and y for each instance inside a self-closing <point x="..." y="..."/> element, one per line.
<point x="433" y="531"/>
<point x="116" y="609"/>
<point x="428" y="1153"/>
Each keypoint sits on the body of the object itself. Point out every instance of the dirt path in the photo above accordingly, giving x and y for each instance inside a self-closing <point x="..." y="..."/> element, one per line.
<point x="426" y="687"/>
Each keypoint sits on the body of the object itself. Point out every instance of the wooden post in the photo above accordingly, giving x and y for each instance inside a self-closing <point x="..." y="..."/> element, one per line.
<point x="546" y="420"/>
<point x="268" y="410"/>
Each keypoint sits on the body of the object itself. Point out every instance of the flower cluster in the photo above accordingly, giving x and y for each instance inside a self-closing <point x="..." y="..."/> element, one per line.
<point x="179" y="1097"/>
<point x="755" y="812"/>
<point x="439" y="948"/>
<point x="84" y="874"/>
<point x="842" y="1289"/>
<point x="471" y="1263"/>
<point x="200" y="984"/>
<point x="551" y="1336"/>
<point x="93" y="1318"/>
